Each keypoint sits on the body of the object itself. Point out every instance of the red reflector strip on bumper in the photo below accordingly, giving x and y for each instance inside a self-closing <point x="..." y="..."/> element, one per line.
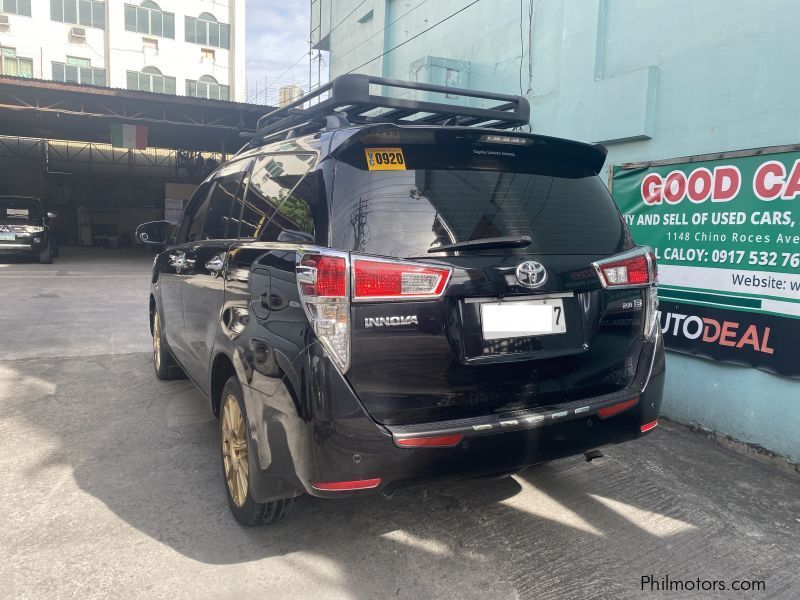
<point x="439" y="441"/>
<point x="346" y="486"/>
<point x="648" y="426"/>
<point x="615" y="409"/>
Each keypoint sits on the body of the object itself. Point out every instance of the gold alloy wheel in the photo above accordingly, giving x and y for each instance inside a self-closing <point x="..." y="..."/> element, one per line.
<point x="234" y="450"/>
<point x="156" y="342"/>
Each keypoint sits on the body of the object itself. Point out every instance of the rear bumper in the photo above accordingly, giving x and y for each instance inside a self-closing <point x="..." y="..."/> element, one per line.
<point x="341" y="443"/>
<point x="480" y="453"/>
<point x="503" y="452"/>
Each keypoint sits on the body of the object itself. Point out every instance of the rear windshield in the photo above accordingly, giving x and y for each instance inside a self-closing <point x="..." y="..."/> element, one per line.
<point x="405" y="213"/>
<point x="19" y="209"/>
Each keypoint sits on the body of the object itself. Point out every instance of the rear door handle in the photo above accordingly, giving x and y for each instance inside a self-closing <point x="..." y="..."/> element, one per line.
<point x="177" y="260"/>
<point x="216" y="264"/>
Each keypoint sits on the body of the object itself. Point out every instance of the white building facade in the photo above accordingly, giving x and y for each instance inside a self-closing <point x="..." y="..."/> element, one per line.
<point x="184" y="47"/>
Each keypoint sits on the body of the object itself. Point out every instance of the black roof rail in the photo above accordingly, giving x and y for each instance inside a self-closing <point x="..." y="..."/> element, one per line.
<point x="351" y="101"/>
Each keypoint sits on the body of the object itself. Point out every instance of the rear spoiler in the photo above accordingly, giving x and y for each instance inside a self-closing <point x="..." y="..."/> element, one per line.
<point x="590" y="156"/>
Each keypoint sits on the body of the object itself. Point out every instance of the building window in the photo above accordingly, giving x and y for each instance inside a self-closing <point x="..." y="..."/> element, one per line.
<point x="17" y="7"/>
<point x="150" y="79"/>
<point x="78" y="70"/>
<point x="207" y="87"/>
<point x="148" y="18"/>
<point x="16" y="66"/>
<point x="88" y="13"/>
<point x="206" y="30"/>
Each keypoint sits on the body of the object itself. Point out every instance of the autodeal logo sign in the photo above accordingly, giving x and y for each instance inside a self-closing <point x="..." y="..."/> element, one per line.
<point x="729" y="334"/>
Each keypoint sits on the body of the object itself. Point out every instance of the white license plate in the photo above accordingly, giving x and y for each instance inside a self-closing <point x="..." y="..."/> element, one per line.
<point x="7" y="237"/>
<point x="523" y="318"/>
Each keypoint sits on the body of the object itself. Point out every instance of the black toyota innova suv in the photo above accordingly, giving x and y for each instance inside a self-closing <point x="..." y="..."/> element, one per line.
<point x="382" y="289"/>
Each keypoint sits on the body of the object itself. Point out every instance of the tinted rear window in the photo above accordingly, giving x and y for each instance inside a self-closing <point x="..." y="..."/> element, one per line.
<point x="22" y="209"/>
<point x="406" y="213"/>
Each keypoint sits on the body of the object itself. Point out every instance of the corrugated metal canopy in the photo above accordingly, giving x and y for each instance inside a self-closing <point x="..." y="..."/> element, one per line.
<point x="55" y="110"/>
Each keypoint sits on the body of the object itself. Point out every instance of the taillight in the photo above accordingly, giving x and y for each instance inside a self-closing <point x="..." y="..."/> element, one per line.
<point x="323" y="279"/>
<point x="322" y="282"/>
<point x="651" y="309"/>
<point x="437" y="441"/>
<point x="346" y="486"/>
<point x="609" y="411"/>
<point x="648" y="426"/>
<point x="629" y="271"/>
<point x="329" y="275"/>
<point x="635" y="268"/>
<point x="389" y="280"/>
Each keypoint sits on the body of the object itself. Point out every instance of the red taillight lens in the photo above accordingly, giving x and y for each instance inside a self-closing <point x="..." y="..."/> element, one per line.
<point x="322" y="283"/>
<point x="376" y="279"/>
<point x="329" y="277"/>
<point x="346" y="486"/>
<point x="634" y="270"/>
<point x="439" y="441"/>
<point x="648" y="426"/>
<point x="615" y="409"/>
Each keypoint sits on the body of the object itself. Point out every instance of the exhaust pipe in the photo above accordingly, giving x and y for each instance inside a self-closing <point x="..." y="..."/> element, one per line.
<point x="592" y="454"/>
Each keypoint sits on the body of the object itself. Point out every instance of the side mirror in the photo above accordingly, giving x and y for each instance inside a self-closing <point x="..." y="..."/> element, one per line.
<point x="51" y="215"/>
<point x="154" y="233"/>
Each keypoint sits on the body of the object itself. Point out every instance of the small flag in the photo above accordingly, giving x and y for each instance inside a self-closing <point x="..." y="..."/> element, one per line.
<point x="128" y="136"/>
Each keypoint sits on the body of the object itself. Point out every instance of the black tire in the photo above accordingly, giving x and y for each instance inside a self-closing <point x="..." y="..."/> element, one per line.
<point x="55" y="251"/>
<point x="245" y="510"/>
<point x="46" y="255"/>
<point x="163" y="362"/>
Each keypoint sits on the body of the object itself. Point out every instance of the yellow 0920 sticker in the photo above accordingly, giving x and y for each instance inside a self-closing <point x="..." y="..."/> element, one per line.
<point x="385" y="159"/>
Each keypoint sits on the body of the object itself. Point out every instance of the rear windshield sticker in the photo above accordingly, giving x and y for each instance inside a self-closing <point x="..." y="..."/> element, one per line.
<point x="385" y="159"/>
<point x="501" y="153"/>
<point x="18" y="213"/>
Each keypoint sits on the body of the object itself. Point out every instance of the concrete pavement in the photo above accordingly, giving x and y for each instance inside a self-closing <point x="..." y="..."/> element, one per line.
<point x="112" y="488"/>
<point x="88" y="302"/>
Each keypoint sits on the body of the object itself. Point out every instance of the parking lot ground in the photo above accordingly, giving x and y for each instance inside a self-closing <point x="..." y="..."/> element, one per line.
<point x="112" y="487"/>
<point x="88" y="302"/>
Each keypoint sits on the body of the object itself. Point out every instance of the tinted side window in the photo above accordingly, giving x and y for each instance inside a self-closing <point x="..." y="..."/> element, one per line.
<point x="195" y="214"/>
<point x="280" y="199"/>
<point x="222" y="201"/>
<point x="235" y="222"/>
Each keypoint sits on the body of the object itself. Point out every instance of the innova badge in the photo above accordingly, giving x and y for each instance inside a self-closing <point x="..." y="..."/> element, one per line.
<point x="390" y="321"/>
<point x="531" y="274"/>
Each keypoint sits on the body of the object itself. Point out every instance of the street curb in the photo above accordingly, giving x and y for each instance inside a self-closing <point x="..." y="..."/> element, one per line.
<point x="754" y="451"/>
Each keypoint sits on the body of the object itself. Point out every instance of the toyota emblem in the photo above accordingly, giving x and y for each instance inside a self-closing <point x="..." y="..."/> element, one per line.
<point x="531" y="274"/>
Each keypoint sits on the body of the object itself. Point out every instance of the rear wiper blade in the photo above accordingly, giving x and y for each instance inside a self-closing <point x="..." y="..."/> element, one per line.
<point x="511" y="241"/>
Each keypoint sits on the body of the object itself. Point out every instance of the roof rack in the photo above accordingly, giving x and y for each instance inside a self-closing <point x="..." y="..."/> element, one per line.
<point x="351" y="102"/>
